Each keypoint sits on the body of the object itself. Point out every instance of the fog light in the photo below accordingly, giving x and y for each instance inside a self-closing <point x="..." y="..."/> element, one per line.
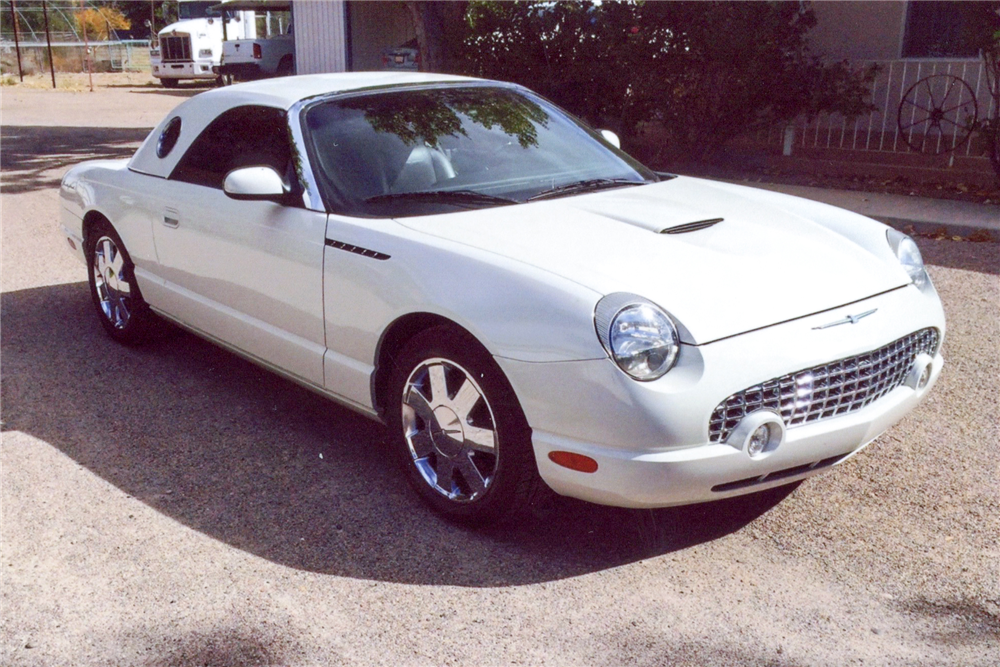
<point x="920" y="373"/>
<point x="758" y="434"/>
<point x="758" y="440"/>
<point x="925" y="377"/>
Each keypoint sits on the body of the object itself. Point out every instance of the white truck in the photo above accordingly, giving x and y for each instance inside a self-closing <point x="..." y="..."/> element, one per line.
<point x="261" y="57"/>
<point x="191" y="48"/>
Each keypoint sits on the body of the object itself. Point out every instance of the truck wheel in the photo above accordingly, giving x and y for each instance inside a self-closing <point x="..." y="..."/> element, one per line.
<point x="286" y="67"/>
<point x="170" y="83"/>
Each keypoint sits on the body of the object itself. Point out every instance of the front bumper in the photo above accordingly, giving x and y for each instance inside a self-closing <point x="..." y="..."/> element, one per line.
<point x="650" y="440"/>
<point x="199" y="69"/>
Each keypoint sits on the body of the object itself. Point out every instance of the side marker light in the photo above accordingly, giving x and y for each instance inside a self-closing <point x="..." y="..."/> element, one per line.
<point x="577" y="462"/>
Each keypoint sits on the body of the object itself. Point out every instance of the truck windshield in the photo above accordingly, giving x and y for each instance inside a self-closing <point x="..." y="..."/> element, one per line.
<point x="434" y="150"/>
<point x="197" y="10"/>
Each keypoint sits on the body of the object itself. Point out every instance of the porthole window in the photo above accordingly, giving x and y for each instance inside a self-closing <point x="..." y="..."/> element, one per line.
<point x="168" y="138"/>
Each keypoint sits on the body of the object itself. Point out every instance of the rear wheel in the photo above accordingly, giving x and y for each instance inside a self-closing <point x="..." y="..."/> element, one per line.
<point x="286" y="67"/>
<point x="113" y="288"/>
<point x="460" y="434"/>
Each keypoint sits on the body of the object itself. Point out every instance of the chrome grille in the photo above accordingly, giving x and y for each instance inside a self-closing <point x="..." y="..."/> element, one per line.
<point x="175" y="48"/>
<point x="826" y="391"/>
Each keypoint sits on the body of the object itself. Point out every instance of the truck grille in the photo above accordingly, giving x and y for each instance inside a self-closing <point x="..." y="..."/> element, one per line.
<point x="826" y="391"/>
<point x="175" y="48"/>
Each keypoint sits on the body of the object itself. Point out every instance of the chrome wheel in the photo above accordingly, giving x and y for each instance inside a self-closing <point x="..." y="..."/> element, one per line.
<point x="112" y="287"/>
<point x="450" y="430"/>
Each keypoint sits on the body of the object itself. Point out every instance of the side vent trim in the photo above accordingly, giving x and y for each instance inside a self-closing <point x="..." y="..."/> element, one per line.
<point x="357" y="250"/>
<point x="691" y="226"/>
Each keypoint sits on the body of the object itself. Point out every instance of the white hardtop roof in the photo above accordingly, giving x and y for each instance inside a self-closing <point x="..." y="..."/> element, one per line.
<point x="281" y="93"/>
<point x="285" y="91"/>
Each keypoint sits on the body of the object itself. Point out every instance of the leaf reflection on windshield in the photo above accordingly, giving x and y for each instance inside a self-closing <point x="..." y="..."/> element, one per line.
<point x="428" y="117"/>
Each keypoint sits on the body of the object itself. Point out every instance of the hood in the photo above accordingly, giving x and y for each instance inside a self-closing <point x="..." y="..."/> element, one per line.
<point x="194" y="27"/>
<point x="760" y="265"/>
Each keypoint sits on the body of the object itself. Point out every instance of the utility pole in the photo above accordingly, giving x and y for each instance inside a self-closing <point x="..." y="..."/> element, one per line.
<point x="48" y="40"/>
<point x="17" y="40"/>
<point x="86" y="44"/>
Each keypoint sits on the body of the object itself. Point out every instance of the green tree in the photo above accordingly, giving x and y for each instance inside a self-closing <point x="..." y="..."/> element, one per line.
<point x="705" y="71"/>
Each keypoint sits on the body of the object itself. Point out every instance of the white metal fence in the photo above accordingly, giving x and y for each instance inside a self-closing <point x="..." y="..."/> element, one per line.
<point x="881" y="131"/>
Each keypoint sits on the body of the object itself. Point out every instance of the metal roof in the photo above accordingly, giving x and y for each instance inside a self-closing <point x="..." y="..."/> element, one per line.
<point x="255" y="5"/>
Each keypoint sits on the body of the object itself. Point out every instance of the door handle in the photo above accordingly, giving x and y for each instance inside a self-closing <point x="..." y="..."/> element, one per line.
<point x="171" y="218"/>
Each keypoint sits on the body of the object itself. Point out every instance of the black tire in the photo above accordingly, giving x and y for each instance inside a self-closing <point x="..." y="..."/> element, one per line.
<point x="484" y="486"/>
<point x="286" y="67"/>
<point x="120" y="307"/>
<point x="170" y="83"/>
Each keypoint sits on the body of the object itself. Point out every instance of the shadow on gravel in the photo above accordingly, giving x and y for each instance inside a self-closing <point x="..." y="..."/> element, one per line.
<point x="35" y="158"/>
<point x="223" y="648"/>
<point x="956" y="255"/>
<point x="188" y="91"/>
<point x="966" y="622"/>
<point x="252" y="460"/>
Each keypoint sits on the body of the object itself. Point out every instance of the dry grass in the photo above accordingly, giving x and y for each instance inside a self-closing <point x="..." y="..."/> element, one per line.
<point x="79" y="82"/>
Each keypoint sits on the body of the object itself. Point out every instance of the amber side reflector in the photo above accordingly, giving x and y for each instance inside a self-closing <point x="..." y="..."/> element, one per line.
<point x="577" y="462"/>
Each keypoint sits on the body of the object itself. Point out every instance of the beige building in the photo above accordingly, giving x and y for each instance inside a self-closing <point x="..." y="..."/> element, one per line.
<point x="889" y="30"/>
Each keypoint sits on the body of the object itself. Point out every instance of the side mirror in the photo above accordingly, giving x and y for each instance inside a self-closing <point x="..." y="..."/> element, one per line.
<point x="611" y="138"/>
<point x="254" y="184"/>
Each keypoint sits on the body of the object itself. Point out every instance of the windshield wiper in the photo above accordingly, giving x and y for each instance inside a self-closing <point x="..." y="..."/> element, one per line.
<point x="456" y="197"/>
<point x="584" y="186"/>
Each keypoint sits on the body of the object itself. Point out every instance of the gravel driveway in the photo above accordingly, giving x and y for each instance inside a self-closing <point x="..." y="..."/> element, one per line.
<point x="173" y="504"/>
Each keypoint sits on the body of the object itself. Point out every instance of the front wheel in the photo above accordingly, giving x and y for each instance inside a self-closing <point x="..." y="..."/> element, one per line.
<point x="170" y="83"/>
<point x="460" y="434"/>
<point x="113" y="288"/>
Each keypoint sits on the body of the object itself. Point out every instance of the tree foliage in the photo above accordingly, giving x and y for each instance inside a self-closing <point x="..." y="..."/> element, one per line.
<point x="427" y="117"/>
<point x="97" y="23"/>
<point x="705" y="71"/>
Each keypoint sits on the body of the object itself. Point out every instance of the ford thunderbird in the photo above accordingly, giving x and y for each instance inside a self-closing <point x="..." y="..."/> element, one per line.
<point x="522" y="304"/>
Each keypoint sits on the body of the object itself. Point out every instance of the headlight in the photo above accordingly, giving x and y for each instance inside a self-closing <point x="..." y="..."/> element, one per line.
<point x="908" y="255"/>
<point x="639" y="336"/>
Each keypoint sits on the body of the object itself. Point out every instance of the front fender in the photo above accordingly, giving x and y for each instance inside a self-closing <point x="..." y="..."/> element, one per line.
<point x="515" y="310"/>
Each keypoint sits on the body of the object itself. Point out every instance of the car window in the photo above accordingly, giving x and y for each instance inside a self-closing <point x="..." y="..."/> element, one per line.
<point x="168" y="138"/>
<point x="246" y="136"/>
<point x="370" y="151"/>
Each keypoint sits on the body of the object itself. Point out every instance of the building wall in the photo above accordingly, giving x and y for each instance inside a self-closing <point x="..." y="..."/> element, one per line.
<point x="377" y="25"/>
<point x="320" y="37"/>
<point x="858" y="30"/>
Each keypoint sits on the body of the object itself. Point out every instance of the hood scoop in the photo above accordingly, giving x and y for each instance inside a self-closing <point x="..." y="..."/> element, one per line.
<point x="645" y="211"/>
<point x="691" y="226"/>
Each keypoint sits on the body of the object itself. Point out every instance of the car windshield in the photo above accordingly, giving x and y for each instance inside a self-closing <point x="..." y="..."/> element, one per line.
<point x="423" y="151"/>
<point x="197" y="10"/>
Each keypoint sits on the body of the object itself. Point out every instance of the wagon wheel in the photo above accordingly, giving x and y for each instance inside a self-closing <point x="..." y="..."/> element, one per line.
<point x="995" y="147"/>
<point x="937" y="114"/>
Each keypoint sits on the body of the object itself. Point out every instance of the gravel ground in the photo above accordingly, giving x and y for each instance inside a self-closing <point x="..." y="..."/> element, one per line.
<point x="175" y="505"/>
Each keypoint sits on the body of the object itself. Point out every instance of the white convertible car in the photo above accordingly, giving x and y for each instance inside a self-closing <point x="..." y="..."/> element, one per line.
<point x="521" y="303"/>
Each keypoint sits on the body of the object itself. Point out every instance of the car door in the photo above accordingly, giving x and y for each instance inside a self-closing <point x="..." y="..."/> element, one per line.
<point x="248" y="273"/>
